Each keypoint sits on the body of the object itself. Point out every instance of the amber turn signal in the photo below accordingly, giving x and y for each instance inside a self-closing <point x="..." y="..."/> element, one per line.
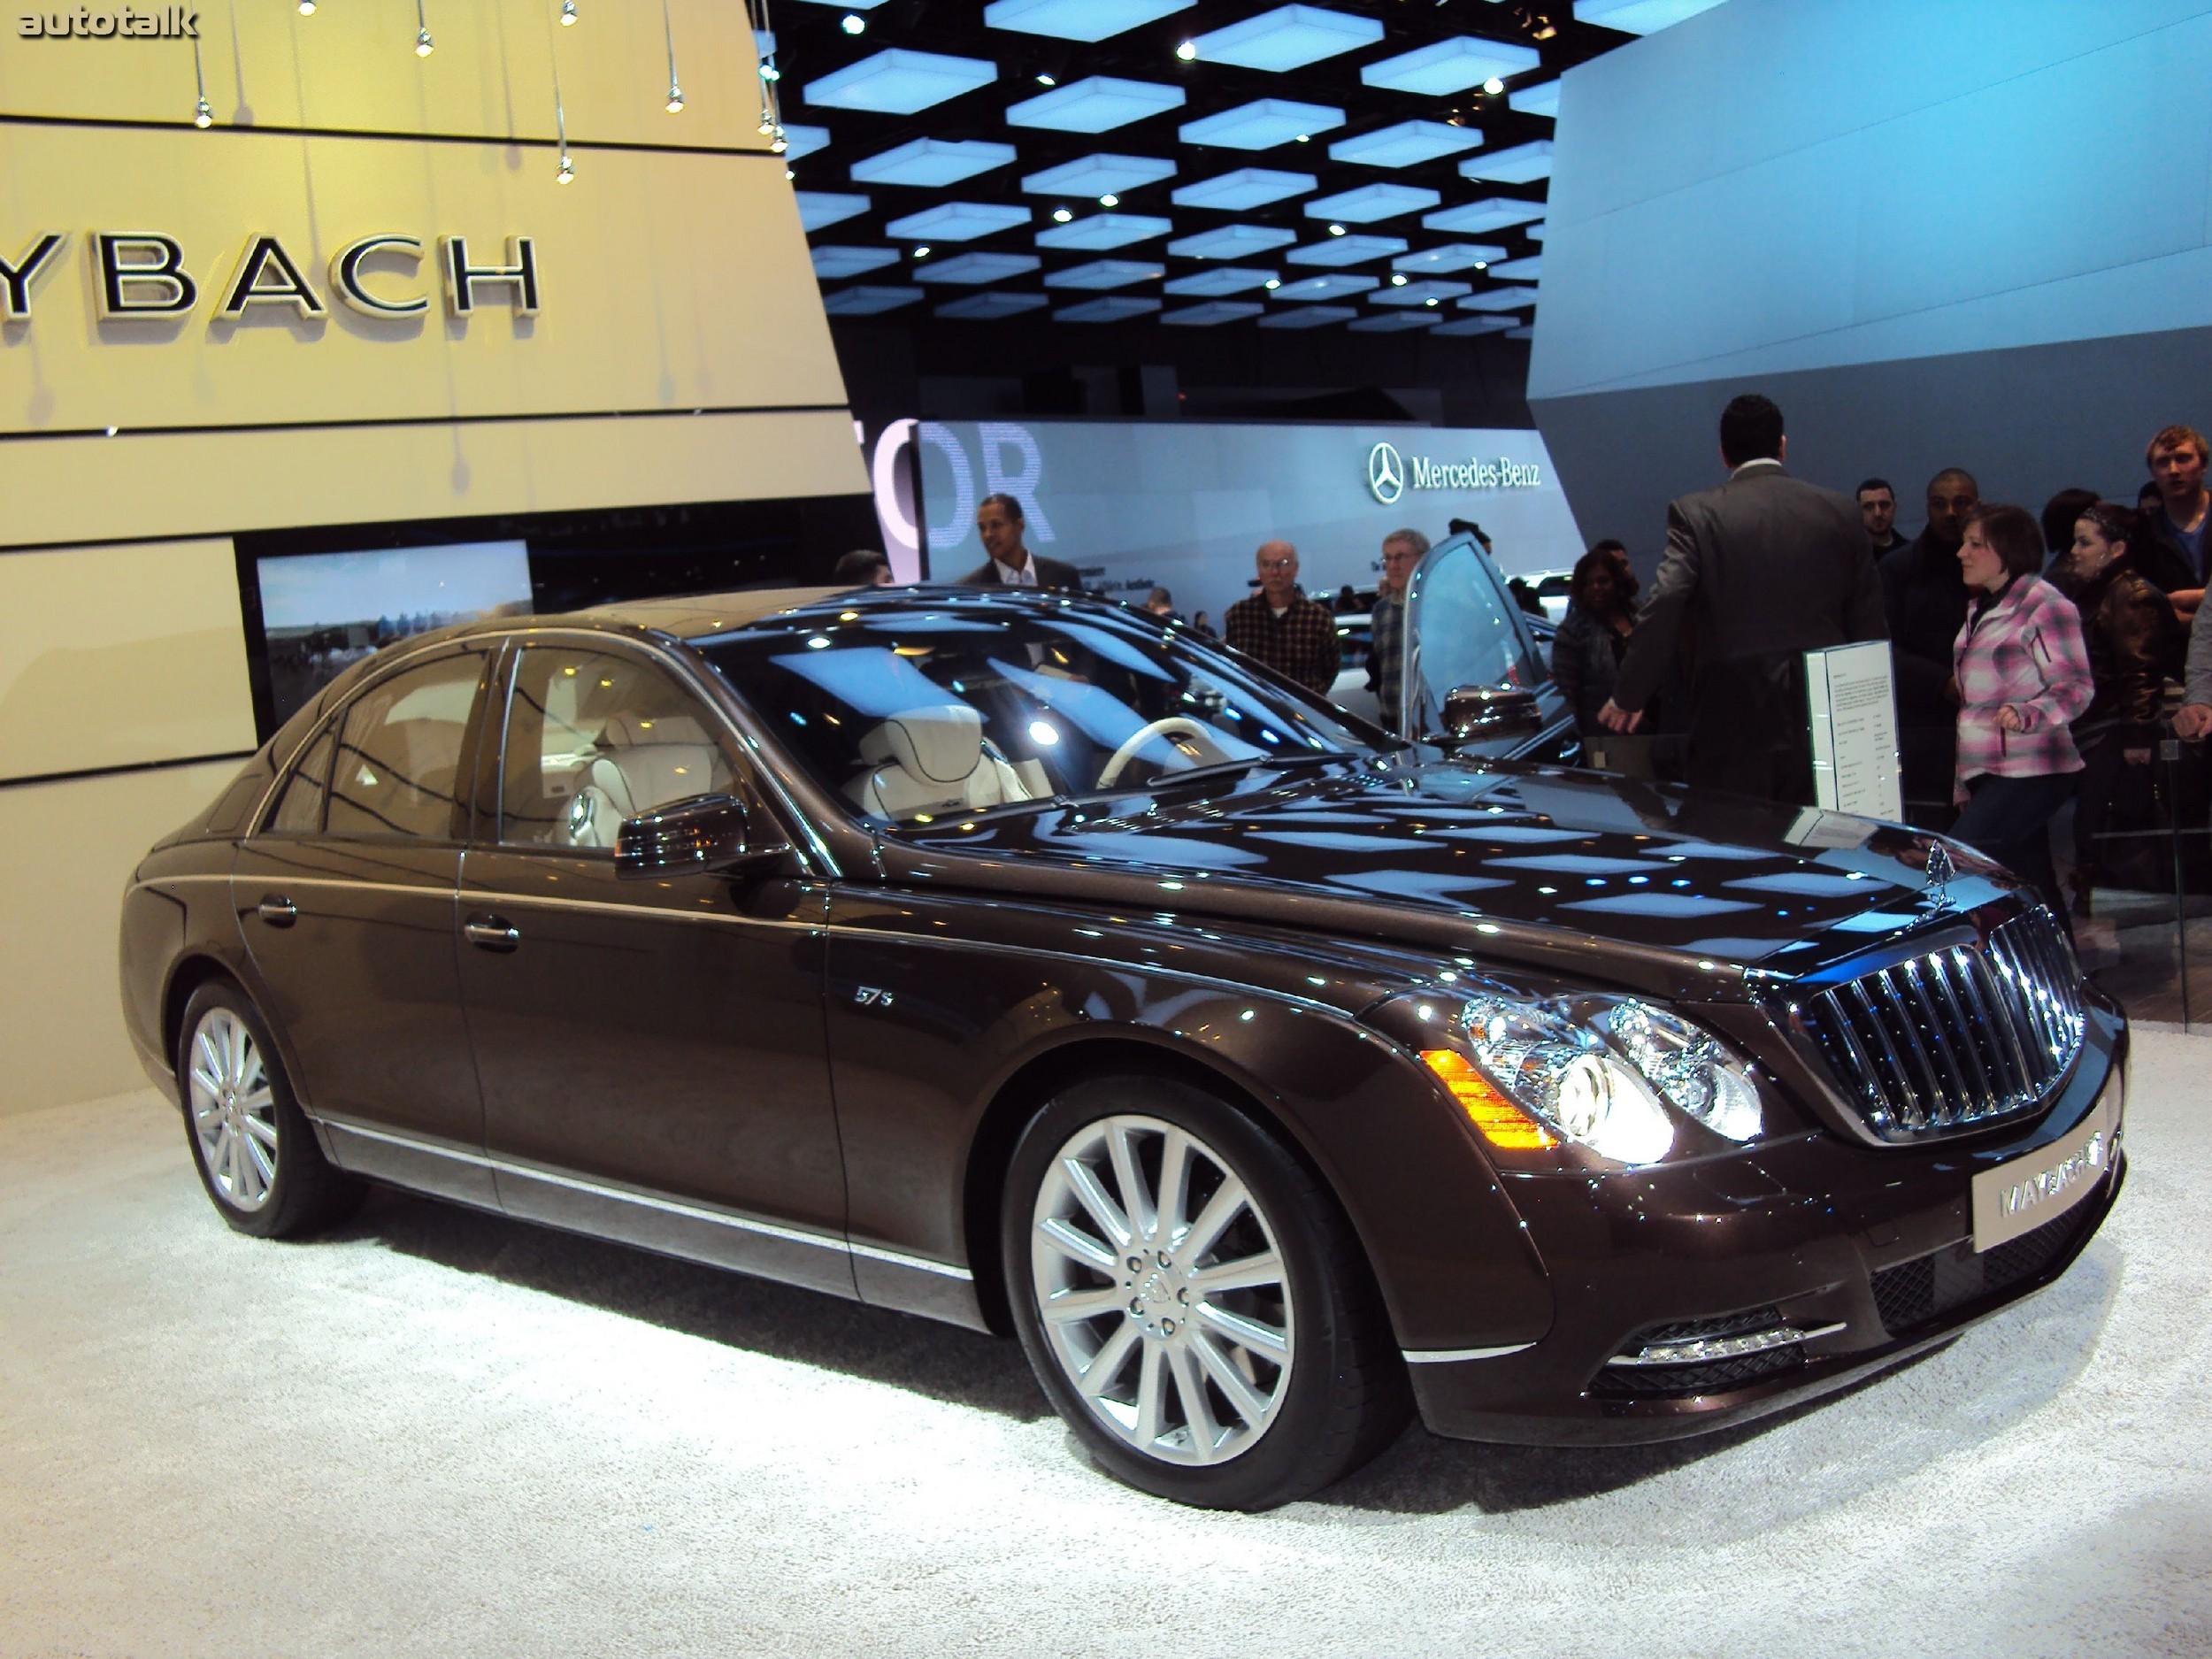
<point x="1502" y="1124"/>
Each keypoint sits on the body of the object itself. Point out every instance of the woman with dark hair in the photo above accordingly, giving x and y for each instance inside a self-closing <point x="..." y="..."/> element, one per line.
<point x="2060" y="515"/>
<point x="2022" y="678"/>
<point x="1593" y="638"/>
<point x="2135" y="645"/>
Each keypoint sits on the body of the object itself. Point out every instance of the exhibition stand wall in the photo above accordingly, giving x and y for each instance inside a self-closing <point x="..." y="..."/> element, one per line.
<point x="374" y="288"/>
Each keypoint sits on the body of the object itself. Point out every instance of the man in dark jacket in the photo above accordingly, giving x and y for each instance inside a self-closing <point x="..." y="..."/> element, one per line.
<point x="1765" y="568"/>
<point x="1924" y="596"/>
<point x="1000" y="525"/>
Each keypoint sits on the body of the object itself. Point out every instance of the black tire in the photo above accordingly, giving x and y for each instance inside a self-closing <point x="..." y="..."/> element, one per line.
<point x="1340" y="1397"/>
<point x="276" y="1191"/>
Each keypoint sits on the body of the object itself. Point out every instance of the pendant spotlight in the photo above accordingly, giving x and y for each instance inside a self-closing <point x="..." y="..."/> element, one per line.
<point x="568" y="13"/>
<point x="668" y="33"/>
<point x="203" y="112"/>
<point x="853" y="23"/>
<point x="563" y="170"/>
<point x="424" y="44"/>
<point x="307" y="8"/>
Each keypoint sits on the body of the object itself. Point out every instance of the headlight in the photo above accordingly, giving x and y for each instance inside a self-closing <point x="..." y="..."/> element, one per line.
<point x="1592" y="1070"/>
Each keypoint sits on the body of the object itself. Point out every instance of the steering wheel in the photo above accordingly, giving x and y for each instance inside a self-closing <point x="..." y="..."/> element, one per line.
<point x="1173" y="726"/>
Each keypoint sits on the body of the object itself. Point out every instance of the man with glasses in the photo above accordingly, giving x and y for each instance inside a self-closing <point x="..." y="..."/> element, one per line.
<point x="1402" y="552"/>
<point x="1283" y="629"/>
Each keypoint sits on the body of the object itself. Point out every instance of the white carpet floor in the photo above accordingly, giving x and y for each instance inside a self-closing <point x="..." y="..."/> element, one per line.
<point x="445" y="1434"/>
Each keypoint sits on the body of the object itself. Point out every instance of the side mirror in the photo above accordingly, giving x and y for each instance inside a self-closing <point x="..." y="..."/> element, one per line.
<point x="704" y="832"/>
<point x="1485" y="714"/>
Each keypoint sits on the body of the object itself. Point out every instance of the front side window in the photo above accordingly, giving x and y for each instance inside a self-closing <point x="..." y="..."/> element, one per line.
<point x="967" y="706"/>
<point x="595" y="737"/>
<point x="396" y="772"/>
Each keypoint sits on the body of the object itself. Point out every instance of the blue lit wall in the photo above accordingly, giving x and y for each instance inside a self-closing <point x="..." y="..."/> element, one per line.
<point x="1974" y="233"/>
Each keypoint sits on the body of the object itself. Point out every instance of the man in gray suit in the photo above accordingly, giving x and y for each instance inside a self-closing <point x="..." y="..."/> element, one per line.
<point x="1762" y="569"/>
<point x="1002" y="526"/>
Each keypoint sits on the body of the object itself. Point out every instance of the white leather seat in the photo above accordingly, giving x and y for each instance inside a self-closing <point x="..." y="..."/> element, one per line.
<point x="932" y="759"/>
<point x="643" y="764"/>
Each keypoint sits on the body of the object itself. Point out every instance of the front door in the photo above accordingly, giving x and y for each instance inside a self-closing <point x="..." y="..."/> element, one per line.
<point x="1462" y="628"/>
<point x="651" y="1052"/>
<point x="345" y="897"/>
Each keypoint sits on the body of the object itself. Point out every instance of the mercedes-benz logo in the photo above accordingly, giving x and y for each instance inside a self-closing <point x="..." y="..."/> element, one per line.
<point x="1386" y="473"/>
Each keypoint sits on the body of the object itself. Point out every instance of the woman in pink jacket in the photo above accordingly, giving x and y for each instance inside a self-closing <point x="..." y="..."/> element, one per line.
<point x="2022" y="677"/>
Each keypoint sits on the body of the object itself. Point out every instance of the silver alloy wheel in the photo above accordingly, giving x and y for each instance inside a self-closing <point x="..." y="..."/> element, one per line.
<point x="1174" y="1327"/>
<point x="234" y="1111"/>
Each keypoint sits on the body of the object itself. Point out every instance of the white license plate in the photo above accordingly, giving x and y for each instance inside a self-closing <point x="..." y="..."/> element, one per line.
<point x="2020" y="1196"/>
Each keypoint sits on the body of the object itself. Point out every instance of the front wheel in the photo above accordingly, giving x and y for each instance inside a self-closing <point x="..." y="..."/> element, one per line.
<point x="1191" y="1300"/>
<point x="253" y="1147"/>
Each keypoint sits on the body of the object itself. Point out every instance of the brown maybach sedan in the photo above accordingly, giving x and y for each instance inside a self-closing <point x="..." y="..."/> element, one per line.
<point x="1018" y="960"/>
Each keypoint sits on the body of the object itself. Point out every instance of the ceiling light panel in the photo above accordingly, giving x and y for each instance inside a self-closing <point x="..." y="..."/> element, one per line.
<point x="1246" y="189"/>
<point x="1523" y="163"/>
<point x="1535" y="232"/>
<point x="1288" y="37"/>
<point x="975" y="269"/>
<point x="1105" y="273"/>
<point x="932" y="162"/>
<point x="1639" y="17"/>
<point x="957" y="221"/>
<point x="1232" y="241"/>
<point x="1542" y="99"/>
<point x="1101" y="231"/>
<point x="1528" y="270"/>
<point x="1494" y="213"/>
<point x="899" y="82"/>
<point x="1527" y="331"/>
<point x="1406" y="145"/>
<point x="820" y="208"/>
<point x="1475" y="325"/>
<point x="1422" y="293"/>
<point x="1346" y="250"/>
<point x="803" y="140"/>
<point x="1079" y="19"/>
<point x="1309" y="317"/>
<point x="1262" y="124"/>
<point x="832" y="262"/>
<point x="1450" y="66"/>
<point x="989" y="307"/>
<point x="1120" y="309"/>
<point x="1453" y="255"/>
<point x="1232" y="279"/>
<point x="1098" y="175"/>
<point x="1371" y="202"/>
<point x="866" y="302"/>
<point x="1506" y="299"/>
<point x="1336" y="287"/>
<point x="1206" y="315"/>
<point x="1393" y="322"/>
<point x="1098" y="105"/>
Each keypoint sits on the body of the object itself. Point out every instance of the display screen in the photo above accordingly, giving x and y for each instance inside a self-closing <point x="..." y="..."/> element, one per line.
<point x="322" y="613"/>
<point x="1185" y="504"/>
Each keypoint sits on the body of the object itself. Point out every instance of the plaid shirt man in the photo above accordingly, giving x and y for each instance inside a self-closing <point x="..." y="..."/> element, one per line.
<point x="1387" y="634"/>
<point x="1302" y="642"/>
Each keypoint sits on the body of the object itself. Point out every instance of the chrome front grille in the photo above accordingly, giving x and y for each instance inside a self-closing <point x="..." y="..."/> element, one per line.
<point x="1955" y="1038"/>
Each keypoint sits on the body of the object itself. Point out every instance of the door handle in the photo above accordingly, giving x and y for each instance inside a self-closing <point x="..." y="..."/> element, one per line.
<point x="277" y="910"/>
<point x="492" y="932"/>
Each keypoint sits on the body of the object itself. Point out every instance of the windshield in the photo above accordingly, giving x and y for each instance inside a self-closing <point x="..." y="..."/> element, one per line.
<point x="967" y="702"/>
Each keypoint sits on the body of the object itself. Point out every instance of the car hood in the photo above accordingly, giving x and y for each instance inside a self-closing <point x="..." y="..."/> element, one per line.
<point x="1502" y="859"/>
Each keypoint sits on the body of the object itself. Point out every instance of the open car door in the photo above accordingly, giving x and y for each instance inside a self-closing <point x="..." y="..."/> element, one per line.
<point x="1474" y="678"/>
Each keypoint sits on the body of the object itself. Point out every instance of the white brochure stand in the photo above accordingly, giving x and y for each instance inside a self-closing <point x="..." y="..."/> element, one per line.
<point x="1853" y="710"/>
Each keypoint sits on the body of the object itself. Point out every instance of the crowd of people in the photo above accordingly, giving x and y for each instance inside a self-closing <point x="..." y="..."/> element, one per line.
<point x="2033" y="658"/>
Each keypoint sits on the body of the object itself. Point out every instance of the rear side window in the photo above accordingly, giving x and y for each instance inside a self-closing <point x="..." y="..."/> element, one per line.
<point x="396" y="769"/>
<point x="299" y="810"/>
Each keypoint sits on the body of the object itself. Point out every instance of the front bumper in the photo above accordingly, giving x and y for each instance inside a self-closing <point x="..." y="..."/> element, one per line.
<point x="1875" y="1242"/>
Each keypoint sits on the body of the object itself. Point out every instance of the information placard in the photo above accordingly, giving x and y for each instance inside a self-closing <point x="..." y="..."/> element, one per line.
<point x="1853" y="708"/>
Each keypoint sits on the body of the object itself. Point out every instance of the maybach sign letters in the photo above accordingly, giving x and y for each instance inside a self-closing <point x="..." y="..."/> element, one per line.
<point x="141" y="276"/>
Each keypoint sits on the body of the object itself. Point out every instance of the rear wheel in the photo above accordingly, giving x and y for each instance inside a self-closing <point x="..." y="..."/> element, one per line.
<point x="254" y="1150"/>
<point x="1193" y="1302"/>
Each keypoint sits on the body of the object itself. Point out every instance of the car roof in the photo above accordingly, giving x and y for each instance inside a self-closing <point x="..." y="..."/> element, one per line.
<point x="695" y="616"/>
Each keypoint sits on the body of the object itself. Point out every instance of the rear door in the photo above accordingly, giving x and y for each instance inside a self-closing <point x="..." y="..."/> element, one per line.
<point x="345" y="897"/>
<point x="1462" y="628"/>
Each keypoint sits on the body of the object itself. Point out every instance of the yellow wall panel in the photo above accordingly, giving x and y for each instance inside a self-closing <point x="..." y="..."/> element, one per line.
<point x="158" y="483"/>
<point x="666" y="281"/>
<point x="352" y="67"/>
<point x="120" y="655"/>
<point x="69" y="849"/>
